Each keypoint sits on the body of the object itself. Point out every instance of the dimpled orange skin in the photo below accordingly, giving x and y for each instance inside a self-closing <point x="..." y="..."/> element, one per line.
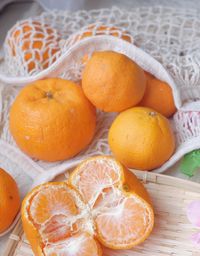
<point x="158" y="96"/>
<point x="52" y="120"/>
<point x="141" y="138"/>
<point x="113" y="82"/>
<point x="9" y="200"/>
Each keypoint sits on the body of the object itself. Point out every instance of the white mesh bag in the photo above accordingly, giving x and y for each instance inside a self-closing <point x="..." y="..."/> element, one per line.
<point x="170" y="40"/>
<point x="30" y="47"/>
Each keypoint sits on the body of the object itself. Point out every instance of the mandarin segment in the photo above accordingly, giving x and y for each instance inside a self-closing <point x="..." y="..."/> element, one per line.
<point x="56" y="229"/>
<point x="51" y="201"/>
<point x="91" y="178"/>
<point x="79" y="245"/>
<point x="124" y="225"/>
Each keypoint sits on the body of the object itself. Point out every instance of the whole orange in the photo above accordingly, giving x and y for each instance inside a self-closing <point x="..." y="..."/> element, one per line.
<point x="102" y="29"/>
<point x="9" y="200"/>
<point x="141" y="138"/>
<point x="34" y="43"/>
<point x="158" y="96"/>
<point x="113" y="82"/>
<point x="52" y="120"/>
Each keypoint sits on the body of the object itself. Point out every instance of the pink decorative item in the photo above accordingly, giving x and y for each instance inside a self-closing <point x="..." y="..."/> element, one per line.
<point x="193" y="213"/>
<point x="196" y="239"/>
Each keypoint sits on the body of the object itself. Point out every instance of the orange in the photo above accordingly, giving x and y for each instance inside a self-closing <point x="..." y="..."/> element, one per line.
<point x="52" y="120"/>
<point x="141" y="138"/>
<point x="102" y="202"/>
<point x="113" y="82"/>
<point x="35" y="43"/>
<point x="102" y="29"/>
<point x="9" y="200"/>
<point x="56" y="222"/>
<point x="96" y="30"/>
<point x="158" y="96"/>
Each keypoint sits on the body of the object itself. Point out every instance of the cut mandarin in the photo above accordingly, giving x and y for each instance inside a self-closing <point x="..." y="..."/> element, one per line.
<point x="62" y="219"/>
<point x="57" y="222"/>
<point x="120" y="205"/>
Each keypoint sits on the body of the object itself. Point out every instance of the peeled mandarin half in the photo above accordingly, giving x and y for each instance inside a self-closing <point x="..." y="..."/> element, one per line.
<point x="57" y="222"/>
<point x="120" y="205"/>
<point x="113" y="82"/>
<point x="103" y="203"/>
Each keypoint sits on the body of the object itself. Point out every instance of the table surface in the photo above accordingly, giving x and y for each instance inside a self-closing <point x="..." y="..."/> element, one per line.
<point x="23" y="9"/>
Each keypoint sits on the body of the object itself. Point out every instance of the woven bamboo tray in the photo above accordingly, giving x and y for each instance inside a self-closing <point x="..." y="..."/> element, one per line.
<point x="171" y="235"/>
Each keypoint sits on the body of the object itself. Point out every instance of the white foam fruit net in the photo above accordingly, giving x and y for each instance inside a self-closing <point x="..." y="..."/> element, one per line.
<point x="170" y="36"/>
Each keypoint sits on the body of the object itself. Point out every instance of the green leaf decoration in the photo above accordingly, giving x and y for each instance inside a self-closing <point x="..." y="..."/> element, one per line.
<point x="190" y="163"/>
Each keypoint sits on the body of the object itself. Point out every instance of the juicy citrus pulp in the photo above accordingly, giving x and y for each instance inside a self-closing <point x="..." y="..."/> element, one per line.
<point x="68" y="219"/>
<point x="122" y="218"/>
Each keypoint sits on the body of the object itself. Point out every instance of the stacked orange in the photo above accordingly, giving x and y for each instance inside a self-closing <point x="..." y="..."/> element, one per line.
<point x="103" y="203"/>
<point x="140" y="138"/>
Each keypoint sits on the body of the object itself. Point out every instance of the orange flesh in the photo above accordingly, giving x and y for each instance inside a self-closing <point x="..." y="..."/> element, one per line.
<point x="123" y="224"/>
<point x="122" y="219"/>
<point x="57" y="215"/>
<point x="95" y="179"/>
<point x="80" y="245"/>
<point x="67" y="222"/>
<point x="48" y="203"/>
